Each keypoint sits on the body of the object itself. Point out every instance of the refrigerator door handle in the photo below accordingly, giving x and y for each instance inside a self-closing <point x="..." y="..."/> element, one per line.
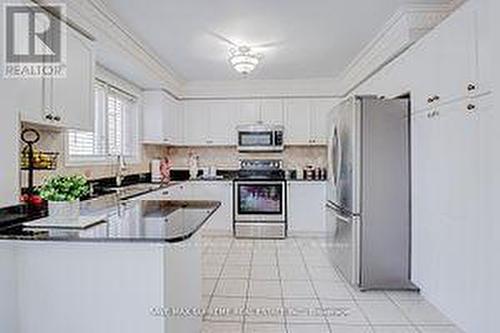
<point x="337" y="213"/>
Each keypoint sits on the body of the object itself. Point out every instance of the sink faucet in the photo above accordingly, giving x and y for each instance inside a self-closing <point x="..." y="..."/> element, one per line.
<point x="120" y="167"/>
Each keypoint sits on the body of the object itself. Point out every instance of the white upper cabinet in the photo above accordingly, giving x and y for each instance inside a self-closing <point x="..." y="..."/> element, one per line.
<point x="447" y="61"/>
<point x="306" y="121"/>
<point x="319" y="120"/>
<point x="271" y="111"/>
<point x="222" y="123"/>
<point x="214" y="122"/>
<point x="62" y="102"/>
<point x="73" y="96"/>
<point x="152" y="121"/>
<point x="248" y="111"/>
<point x="161" y="119"/>
<point x="297" y="121"/>
<point x="210" y="123"/>
<point x="196" y="123"/>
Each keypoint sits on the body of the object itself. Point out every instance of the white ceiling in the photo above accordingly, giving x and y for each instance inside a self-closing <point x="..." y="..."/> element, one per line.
<point x="313" y="39"/>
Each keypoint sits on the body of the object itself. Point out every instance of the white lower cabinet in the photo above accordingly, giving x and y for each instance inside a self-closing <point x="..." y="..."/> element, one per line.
<point x="306" y="207"/>
<point x="451" y="178"/>
<point x="221" y="191"/>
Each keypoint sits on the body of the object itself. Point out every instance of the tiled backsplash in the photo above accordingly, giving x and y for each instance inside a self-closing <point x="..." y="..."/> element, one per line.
<point x="227" y="157"/>
<point x="54" y="142"/>
<point x="221" y="157"/>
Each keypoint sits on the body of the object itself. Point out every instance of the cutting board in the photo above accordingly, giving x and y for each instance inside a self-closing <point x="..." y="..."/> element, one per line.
<point x="83" y="222"/>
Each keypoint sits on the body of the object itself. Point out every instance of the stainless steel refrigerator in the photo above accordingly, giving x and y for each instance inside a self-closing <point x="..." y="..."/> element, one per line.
<point x="369" y="192"/>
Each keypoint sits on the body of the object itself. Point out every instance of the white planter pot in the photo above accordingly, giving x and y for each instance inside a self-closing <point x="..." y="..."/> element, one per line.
<point x="64" y="209"/>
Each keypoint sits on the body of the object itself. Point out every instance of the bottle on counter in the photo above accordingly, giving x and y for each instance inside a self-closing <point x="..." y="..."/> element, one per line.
<point x="309" y="172"/>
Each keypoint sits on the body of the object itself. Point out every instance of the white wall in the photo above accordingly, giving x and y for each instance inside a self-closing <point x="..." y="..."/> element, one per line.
<point x="490" y="268"/>
<point x="8" y="287"/>
<point x="9" y="135"/>
<point x="9" y="139"/>
<point x="478" y="280"/>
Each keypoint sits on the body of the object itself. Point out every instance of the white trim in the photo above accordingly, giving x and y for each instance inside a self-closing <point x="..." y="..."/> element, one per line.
<point x="406" y="26"/>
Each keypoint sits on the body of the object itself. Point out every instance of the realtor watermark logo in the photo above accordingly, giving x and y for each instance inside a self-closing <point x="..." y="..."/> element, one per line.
<point x="35" y="44"/>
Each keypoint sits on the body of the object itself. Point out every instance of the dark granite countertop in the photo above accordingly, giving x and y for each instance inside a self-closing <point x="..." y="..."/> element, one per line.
<point x="131" y="221"/>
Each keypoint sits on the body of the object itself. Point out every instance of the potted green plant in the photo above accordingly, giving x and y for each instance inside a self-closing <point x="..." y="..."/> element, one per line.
<point x="63" y="194"/>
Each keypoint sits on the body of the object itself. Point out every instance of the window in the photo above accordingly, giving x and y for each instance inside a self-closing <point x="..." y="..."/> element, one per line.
<point x="115" y="129"/>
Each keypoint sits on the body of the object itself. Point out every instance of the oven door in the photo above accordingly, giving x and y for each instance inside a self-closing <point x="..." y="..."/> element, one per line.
<point x="259" y="201"/>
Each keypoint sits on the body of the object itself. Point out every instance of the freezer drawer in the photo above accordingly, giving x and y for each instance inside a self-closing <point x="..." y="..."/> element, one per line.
<point x="343" y="243"/>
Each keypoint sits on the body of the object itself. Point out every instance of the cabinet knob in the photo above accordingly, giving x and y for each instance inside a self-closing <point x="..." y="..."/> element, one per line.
<point x="471" y="87"/>
<point x="471" y="107"/>
<point x="433" y="99"/>
<point x="49" y="116"/>
<point x="57" y="118"/>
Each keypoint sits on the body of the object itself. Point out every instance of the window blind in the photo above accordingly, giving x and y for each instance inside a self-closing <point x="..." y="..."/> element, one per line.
<point x="115" y="129"/>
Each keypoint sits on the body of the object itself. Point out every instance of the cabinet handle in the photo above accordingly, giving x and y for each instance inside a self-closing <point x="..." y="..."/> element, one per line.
<point x="433" y="99"/>
<point x="471" y="87"/>
<point x="471" y="107"/>
<point x="433" y="114"/>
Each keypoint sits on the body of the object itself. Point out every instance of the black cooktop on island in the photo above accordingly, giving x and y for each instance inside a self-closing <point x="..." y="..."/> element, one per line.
<point x="133" y="221"/>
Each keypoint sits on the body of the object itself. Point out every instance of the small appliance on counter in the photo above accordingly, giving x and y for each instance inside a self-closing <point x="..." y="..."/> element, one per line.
<point x="260" y="194"/>
<point x="155" y="171"/>
<point x="160" y="170"/>
<point x="210" y="173"/>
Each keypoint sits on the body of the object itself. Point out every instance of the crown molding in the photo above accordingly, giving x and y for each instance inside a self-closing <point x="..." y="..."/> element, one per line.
<point x="115" y="41"/>
<point x="406" y="26"/>
<point x="321" y="87"/>
<point x="128" y="56"/>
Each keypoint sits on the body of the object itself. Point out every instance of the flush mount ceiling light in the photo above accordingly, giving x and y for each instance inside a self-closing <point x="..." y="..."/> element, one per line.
<point x="243" y="59"/>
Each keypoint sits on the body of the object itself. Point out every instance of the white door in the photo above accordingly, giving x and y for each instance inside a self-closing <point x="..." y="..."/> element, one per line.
<point x="222" y="123"/>
<point x="319" y="120"/>
<point x="297" y="121"/>
<point x="424" y="192"/>
<point x="152" y="117"/>
<point x="196" y="123"/>
<point x="249" y="112"/>
<point x="306" y="207"/>
<point x="425" y="86"/>
<point x="73" y="96"/>
<point x="271" y="111"/>
<point x="457" y="54"/>
<point x="169" y="115"/>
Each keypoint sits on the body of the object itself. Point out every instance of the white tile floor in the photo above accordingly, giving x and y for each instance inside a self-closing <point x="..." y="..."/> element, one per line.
<point x="289" y="286"/>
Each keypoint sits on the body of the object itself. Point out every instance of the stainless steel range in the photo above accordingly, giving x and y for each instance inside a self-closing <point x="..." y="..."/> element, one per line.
<point x="259" y="194"/>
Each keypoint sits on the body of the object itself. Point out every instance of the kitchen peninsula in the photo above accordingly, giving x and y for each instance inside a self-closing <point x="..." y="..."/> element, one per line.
<point x="121" y="275"/>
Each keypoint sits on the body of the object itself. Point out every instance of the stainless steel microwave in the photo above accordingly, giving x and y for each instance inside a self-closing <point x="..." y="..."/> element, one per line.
<point x="260" y="138"/>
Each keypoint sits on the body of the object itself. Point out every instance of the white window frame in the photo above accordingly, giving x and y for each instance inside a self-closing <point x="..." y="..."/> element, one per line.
<point x="107" y="158"/>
